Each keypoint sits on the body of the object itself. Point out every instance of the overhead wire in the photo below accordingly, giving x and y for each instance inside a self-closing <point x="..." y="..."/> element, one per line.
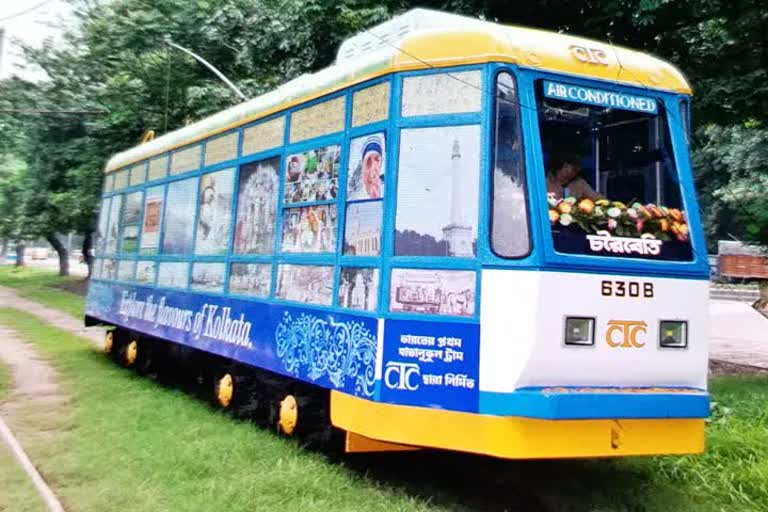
<point x="25" y="11"/>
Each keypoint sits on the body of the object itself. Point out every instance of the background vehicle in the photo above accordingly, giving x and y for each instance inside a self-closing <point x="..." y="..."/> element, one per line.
<point x="373" y="247"/>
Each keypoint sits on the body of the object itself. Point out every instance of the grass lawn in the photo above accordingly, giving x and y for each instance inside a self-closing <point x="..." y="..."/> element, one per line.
<point x="17" y="493"/>
<point x="43" y="286"/>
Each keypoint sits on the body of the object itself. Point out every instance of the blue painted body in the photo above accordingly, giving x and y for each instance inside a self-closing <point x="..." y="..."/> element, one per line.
<point x="337" y="348"/>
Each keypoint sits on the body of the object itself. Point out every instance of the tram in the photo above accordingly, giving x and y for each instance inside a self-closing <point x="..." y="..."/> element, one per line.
<point x="461" y="235"/>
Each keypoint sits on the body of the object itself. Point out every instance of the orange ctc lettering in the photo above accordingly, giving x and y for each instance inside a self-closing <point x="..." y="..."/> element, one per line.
<point x="623" y="333"/>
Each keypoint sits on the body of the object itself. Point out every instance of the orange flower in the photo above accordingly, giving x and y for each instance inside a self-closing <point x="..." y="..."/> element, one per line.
<point x="565" y="207"/>
<point x="664" y="225"/>
<point x="553" y="216"/>
<point x="676" y="214"/>
<point x="586" y="205"/>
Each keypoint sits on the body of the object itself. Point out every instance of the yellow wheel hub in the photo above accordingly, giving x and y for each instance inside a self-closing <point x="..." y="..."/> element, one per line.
<point x="289" y="415"/>
<point x="109" y="341"/>
<point x="225" y="389"/>
<point x="131" y="352"/>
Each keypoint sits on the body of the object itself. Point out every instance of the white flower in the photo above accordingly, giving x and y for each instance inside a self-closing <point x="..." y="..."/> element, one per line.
<point x="614" y="212"/>
<point x="566" y="219"/>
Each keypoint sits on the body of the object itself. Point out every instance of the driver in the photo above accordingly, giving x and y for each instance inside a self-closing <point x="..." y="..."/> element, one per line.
<point x="563" y="180"/>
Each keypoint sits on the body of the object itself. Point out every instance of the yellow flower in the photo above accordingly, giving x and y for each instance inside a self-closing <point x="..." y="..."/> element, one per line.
<point x="565" y="207"/>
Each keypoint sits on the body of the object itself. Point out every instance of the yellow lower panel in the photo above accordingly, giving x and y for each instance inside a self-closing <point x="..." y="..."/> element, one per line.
<point x="355" y="443"/>
<point x="515" y="437"/>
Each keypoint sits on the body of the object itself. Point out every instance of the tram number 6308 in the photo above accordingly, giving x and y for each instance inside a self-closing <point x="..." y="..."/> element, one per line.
<point x="627" y="289"/>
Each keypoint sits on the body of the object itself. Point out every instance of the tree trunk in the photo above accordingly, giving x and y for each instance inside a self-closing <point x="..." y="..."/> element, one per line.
<point x="87" y="244"/>
<point x="62" y="252"/>
<point x="4" y="248"/>
<point x="20" y="254"/>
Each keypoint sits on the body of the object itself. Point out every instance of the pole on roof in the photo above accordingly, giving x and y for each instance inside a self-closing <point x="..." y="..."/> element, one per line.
<point x="209" y="66"/>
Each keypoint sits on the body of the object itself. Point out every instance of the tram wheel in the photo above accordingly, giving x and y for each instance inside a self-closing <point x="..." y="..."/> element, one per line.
<point x="287" y="415"/>
<point x="224" y="390"/>
<point x="131" y="352"/>
<point x="109" y="341"/>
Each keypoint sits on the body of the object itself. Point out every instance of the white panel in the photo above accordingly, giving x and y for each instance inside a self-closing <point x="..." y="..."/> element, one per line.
<point x="523" y="316"/>
<point x="508" y="309"/>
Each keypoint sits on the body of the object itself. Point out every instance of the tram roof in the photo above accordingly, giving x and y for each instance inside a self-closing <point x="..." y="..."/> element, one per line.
<point x="423" y="39"/>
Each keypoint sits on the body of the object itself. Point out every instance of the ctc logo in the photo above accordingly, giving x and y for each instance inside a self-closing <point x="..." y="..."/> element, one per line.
<point x="623" y="333"/>
<point x="403" y="376"/>
<point x="589" y="55"/>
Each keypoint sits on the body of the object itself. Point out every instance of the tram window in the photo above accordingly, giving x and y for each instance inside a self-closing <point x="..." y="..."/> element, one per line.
<point x="437" y="192"/>
<point x="179" y="217"/>
<point x="509" y="218"/>
<point x="129" y="222"/>
<point x="214" y="212"/>
<point x="611" y="173"/>
<point x="100" y="237"/>
<point x="113" y="225"/>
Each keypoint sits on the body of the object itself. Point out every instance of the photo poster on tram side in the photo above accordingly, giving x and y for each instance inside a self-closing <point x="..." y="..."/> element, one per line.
<point x="180" y="206"/>
<point x="153" y="210"/>
<point x="130" y="222"/>
<point x="100" y="235"/>
<point x="145" y="272"/>
<point x="437" y="192"/>
<point x="257" y="197"/>
<point x="214" y="212"/>
<point x="431" y="364"/>
<point x="312" y="175"/>
<point x="433" y="291"/>
<point x="253" y="279"/>
<point x="208" y="277"/>
<point x="309" y="229"/>
<point x="365" y="175"/>
<point x="310" y="284"/>
<point x="359" y="288"/>
<point x="113" y="226"/>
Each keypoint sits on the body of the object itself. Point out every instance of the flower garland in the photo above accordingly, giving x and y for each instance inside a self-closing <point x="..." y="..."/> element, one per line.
<point x="614" y="216"/>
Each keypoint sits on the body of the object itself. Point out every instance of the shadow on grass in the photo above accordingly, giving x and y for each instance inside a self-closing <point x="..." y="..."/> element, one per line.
<point x="477" y="483"/>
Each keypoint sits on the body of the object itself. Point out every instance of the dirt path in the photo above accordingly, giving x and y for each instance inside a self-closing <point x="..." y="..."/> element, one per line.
<point x="9" y="299"/>
<point x="35" y="410"/>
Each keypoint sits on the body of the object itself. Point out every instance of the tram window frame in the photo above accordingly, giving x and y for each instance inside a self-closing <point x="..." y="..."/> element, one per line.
<point x="522" y="169"/>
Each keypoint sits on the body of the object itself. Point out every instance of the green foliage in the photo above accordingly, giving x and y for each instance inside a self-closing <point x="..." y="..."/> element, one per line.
<point x="732" y="175"/>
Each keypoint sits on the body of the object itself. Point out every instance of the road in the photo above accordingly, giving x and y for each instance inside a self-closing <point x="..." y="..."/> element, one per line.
<point x="737" y="333"/>
<point x="75" y="267"/>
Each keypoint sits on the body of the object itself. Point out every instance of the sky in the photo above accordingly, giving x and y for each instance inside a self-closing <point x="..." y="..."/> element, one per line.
<point x="22" y="19"/>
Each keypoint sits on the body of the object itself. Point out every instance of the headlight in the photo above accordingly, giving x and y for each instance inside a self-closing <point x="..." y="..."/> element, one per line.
<point x="579" y="330"/>
<point x="673" y="334"/>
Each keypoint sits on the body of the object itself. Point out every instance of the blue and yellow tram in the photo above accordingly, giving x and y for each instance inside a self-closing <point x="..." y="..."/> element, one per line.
<point x="461" y="235"/>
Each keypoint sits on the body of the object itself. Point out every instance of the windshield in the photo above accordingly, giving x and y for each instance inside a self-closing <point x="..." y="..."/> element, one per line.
<point x="612" y="182"/>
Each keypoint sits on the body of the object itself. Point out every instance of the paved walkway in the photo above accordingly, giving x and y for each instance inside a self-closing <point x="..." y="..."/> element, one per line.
<point x="9" y="298"/>
<point x="737" y="334"/>
<point x="34" y="410"/>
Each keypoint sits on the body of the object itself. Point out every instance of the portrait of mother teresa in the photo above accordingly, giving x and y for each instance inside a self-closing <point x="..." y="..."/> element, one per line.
<point x="366" y="168"/>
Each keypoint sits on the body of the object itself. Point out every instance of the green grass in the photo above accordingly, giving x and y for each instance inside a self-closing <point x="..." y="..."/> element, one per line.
<point x="43" y="286"/>
<point x="17" y="493"/>
<point x="133" y="445"/>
